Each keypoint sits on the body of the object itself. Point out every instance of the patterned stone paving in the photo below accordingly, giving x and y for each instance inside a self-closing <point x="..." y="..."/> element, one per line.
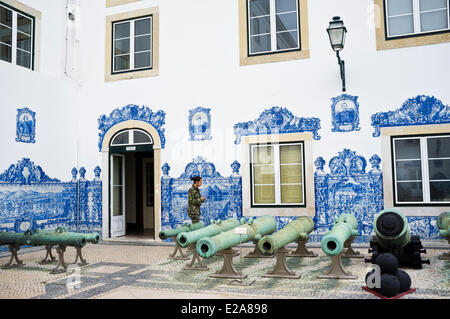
<point x="147" y="268"/>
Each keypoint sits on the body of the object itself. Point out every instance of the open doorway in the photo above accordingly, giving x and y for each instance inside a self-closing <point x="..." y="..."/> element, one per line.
<point x="132" y="199"/>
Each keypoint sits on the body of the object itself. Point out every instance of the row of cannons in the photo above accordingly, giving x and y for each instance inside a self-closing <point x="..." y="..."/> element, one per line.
<point x="392" y="235"/>
<point x="59" y="238"/>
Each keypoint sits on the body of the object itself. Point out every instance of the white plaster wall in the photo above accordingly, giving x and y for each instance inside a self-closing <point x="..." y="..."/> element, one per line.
<point x="49" y="93"/>
<point x="199" y="66"/>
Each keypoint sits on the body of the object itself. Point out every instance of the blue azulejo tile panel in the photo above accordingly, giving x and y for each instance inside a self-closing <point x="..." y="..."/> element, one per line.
<point x="348" y="188"/>
<point x="29" y="199"/>
<point x="200" y="124"/>
<point x="223" y="194"/>
<point x="25" y="126"/>
<point x="421" y="110"/>
<point x="277" y="120"/>
<point x="345" y="113"/>
<point x="424" y="226"/>
<point x="132" y="112"/>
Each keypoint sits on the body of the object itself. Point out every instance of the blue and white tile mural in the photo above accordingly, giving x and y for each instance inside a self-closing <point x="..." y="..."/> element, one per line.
<point x="345" y="113"/>
<point x="348" y="188"/>
<point x="200" y="124"/>
<point x="29" y="199"/>
<point x="132" y="112"/>
<point x="277" y="120"/>
<point x="421" y="110"/>
<point x="25" y="126"/>
<point x="223" y="194"/>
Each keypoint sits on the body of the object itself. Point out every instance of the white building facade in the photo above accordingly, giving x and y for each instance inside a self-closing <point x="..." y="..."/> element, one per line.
<point x="140" y="95"/>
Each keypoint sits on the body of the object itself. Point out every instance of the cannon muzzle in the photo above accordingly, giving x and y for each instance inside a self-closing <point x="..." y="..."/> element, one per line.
<point x="344" y="227"/>
<point x="299" y="228"/>
<point x="167" y="233"/>
<point x="93" y="238"/>
<point x="185" y="239"/>
<point x="209" y="246"/>
<point x="391" y="229"/>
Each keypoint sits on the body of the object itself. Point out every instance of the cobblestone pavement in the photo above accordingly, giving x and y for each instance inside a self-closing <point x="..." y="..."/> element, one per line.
<point x="130" y="271"/>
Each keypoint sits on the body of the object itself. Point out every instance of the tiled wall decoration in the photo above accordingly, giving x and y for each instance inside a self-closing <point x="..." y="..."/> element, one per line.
<point x="421" y="110"/>
<point x="25" y="126"/>
<point x="223" y="194"/>
<point x="277" y="120"/>
<point x="132" y="112"/>
<point x="200" y="124"/>
<point x="345" y="113"/>
<point x="30" y="199"/>
<point x="348" y="188"/>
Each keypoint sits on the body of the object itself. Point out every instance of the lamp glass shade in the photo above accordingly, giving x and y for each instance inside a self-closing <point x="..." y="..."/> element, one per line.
<point x="336" y="33"/>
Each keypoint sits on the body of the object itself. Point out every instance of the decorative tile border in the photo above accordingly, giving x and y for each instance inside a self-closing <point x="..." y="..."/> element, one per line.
<point x="277" y="120"/>
<point x="29" y="199"/>
<point x="421" y="110"/>
<point x="132" y="112"/>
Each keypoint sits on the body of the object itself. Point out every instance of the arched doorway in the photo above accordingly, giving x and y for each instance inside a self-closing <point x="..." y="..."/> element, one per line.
<point x="131" y="192"/>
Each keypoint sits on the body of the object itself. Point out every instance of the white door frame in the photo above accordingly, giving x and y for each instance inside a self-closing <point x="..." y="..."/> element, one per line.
<point x="131" y="124"/>
<point x="121" y="219"/>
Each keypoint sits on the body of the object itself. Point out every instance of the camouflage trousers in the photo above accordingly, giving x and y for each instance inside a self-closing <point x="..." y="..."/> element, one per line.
<point x="195" y="217"/>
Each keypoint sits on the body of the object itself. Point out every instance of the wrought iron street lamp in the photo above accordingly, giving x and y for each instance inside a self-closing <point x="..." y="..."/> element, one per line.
<point x="336" y="33"/>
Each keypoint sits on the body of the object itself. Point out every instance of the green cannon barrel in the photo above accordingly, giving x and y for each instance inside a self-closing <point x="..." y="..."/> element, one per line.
<point x="184" y="239"/>
<point x="38" y="237"/>
<point x="299" y="228"/>
<point x="19" y="239"/>
<point x="209" y="246"/>
<point x="392" y="230"/>
<point x="345" y="226"/>
<point x="443" y="223"/>
<point x="62" y="237"/>
<point x="93" y="238"/>
<point x="167" y="233"/>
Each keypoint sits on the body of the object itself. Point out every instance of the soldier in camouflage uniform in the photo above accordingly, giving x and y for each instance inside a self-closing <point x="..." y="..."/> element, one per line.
<point x="195" y="200"/>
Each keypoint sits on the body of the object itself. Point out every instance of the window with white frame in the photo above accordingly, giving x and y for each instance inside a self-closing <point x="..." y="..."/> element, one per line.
<point x="416" y="17"/>
<point x="132" y="45"/>
<point x="422" y="169"/>
<point x="277" y="174"/>
<point x="16" y="37"/>
<point x="273" y="26"/>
